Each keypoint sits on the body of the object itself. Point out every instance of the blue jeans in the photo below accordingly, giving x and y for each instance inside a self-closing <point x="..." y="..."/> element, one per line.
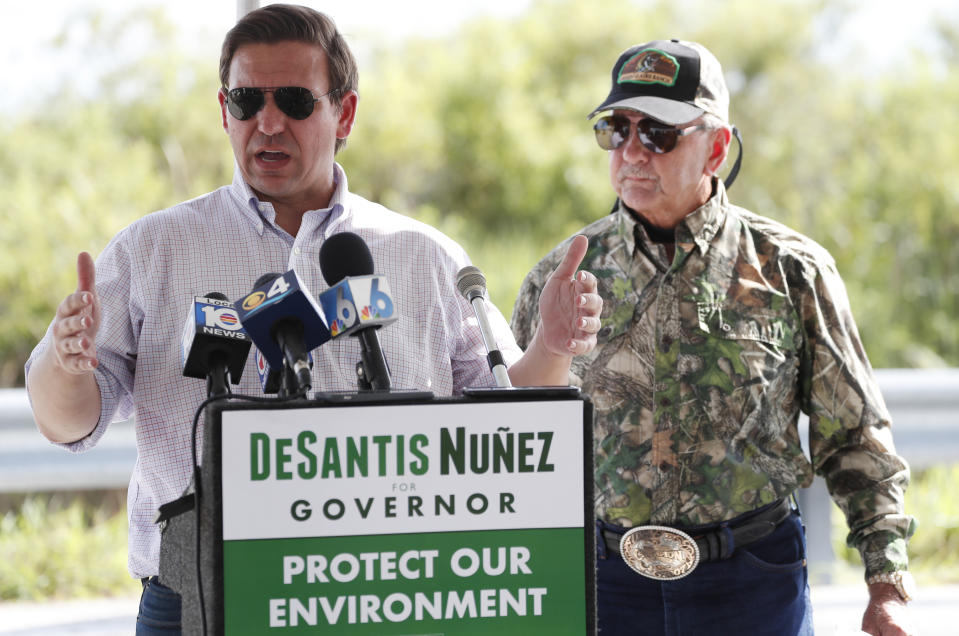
<point x="761" y="589"/>
<point x="159" y="610"/>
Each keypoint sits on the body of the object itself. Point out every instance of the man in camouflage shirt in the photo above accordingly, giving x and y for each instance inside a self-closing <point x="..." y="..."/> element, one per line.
<point x="719" y="326"/>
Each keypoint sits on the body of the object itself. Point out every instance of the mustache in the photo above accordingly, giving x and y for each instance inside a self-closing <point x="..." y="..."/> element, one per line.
<point x="634" y="172"/>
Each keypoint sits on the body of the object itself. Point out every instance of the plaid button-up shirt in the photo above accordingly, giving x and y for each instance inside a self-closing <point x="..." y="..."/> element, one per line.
<point x="222" y="242"/>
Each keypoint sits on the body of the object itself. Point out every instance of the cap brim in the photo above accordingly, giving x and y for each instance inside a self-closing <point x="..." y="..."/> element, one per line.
<point x="667" y="111"/>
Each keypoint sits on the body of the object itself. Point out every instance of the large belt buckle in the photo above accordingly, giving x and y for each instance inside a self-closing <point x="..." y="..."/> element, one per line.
<point x="659" y="552"/>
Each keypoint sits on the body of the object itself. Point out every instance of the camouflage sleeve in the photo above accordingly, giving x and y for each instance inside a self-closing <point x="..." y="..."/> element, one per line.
<point x="526" y="309"/>
<point x="850" y="434"/>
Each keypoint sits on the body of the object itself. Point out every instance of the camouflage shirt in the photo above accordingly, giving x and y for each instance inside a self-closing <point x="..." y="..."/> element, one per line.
<point x="703" y="365"/>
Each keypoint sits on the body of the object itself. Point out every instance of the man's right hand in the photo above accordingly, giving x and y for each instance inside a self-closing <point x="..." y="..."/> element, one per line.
<point x="63" y="390"/>
<point x="76" y="323"/>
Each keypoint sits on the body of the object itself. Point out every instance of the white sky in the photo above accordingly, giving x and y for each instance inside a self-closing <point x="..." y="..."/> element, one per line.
<point x="881" y="27"/>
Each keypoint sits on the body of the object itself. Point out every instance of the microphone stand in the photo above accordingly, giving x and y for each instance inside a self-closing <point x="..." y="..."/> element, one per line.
<point x="218" y="378"/>
<point x="372" y="373"/>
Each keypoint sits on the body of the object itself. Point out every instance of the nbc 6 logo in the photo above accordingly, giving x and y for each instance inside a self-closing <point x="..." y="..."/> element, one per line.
<point x="345" y="309"/>
<point x="221" y="317"/>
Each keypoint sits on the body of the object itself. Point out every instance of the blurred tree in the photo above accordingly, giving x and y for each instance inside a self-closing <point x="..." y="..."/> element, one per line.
<point x="483" y="134"/>
<point x="77" y="169"/>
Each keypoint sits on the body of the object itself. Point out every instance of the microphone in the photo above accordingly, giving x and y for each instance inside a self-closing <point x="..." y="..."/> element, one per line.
<point x="357" y="303"/>
<point x="472" y="285"/>
<point x="273" y="380"/>
<point x="284" y="322"/>
<point x="214" y="344"/>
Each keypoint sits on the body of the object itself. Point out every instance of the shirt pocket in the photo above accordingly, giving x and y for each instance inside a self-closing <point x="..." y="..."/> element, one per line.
<point x="750" y="344"/>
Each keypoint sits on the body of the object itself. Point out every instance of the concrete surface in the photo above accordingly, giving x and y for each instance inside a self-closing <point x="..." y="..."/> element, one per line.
<point x="837" y="612"/>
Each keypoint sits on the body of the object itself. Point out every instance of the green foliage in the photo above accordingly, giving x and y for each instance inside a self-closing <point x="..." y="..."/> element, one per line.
<point x="77" y="170"/>
<point x="50" y="548"/>
<point x="485" y="132"/>
<point x="482" y="132"/>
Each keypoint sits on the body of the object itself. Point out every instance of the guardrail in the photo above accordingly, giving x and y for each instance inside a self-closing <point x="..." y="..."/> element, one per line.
<point x="29" y="463"/>
<point x="924" y="405"/>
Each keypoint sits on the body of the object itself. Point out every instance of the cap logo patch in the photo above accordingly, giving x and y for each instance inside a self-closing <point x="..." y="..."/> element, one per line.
<point x="650" y="66"/>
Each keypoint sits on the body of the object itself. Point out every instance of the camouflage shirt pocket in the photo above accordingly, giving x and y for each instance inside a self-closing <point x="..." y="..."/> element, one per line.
<point x="758" y="341"/>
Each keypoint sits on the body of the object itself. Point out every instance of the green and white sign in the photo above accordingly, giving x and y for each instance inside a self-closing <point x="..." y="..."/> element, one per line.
<point x="446" y="518"/>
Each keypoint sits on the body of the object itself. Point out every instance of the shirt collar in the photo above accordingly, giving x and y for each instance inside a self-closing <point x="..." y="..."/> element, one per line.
<point x="257" y="212"/>
<point x="701" y="225"/>
<point x="698" y="228"/>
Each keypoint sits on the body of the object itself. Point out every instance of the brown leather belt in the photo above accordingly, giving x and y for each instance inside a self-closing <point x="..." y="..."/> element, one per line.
<point x="666" y="553"/>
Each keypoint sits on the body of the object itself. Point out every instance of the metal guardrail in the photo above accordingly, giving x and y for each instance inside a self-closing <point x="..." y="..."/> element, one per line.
<point x="924" y="405"/>
<point x="29" y="463"/>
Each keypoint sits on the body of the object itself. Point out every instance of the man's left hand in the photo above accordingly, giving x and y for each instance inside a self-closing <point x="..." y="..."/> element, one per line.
<point x="569" y="310"/>
<point x="887" y="614"/>
<point x="569" y="306"/>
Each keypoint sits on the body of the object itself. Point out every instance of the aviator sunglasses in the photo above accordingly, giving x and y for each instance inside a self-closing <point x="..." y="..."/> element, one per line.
<point x="294" y="101"/>
<point x="612" y="131"/>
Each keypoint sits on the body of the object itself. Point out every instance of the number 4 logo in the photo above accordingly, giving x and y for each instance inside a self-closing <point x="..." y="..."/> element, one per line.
<point x="280" y="286"/>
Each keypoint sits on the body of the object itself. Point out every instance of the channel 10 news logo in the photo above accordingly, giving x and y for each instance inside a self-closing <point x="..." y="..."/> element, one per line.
<point x="357" y="301"/>
<point x="216" y="316"/>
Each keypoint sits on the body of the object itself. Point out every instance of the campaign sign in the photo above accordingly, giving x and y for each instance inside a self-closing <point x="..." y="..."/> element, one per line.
<point x="443" y="518"/>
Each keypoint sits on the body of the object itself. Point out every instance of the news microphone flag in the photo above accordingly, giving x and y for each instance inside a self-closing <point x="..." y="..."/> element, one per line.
<point x="213" y="329"/>
<point x="358" y="302"/>
<point x="282" y="300"/>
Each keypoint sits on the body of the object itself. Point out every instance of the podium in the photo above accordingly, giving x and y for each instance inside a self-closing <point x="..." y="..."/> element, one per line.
<point x="426" y="516"/>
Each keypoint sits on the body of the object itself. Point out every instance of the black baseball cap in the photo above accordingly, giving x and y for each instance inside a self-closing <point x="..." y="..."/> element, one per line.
<point x="672" y="81"/>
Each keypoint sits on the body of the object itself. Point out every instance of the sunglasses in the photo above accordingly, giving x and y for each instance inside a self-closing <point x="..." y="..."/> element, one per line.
<point x="293" y="101"/>
<point x="612" y="131"/>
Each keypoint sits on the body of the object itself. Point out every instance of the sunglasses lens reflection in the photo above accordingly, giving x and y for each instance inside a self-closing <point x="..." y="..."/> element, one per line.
<point x="612" y="132"/>
<point x="657" y="138"/>
<point x="245" y="102"/>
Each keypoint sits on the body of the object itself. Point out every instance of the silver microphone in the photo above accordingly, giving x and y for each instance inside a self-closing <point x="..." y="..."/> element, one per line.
<point x="472" y="285"/>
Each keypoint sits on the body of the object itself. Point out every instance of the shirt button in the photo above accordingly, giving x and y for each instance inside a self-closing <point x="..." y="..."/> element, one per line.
<point x="296" y="251"/>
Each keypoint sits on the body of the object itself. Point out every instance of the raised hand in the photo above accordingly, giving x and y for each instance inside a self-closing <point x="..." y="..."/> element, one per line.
<point x="77" y="321"/>
<point x="569" y="306"/>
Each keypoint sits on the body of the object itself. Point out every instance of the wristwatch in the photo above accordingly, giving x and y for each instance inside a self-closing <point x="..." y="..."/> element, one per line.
<point x="901" y="579"/>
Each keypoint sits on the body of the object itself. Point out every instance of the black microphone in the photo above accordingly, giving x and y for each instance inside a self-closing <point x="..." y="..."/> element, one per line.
<point x="472" y="285"/>
<point x="284" y="321"/>
<point x="214" y="344"/>
<point x="346" y="255"/>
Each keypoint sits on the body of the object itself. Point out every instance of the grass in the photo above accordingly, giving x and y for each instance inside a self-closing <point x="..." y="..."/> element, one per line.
<point x="57" y="546"/>
<point x="64" y="546"/>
